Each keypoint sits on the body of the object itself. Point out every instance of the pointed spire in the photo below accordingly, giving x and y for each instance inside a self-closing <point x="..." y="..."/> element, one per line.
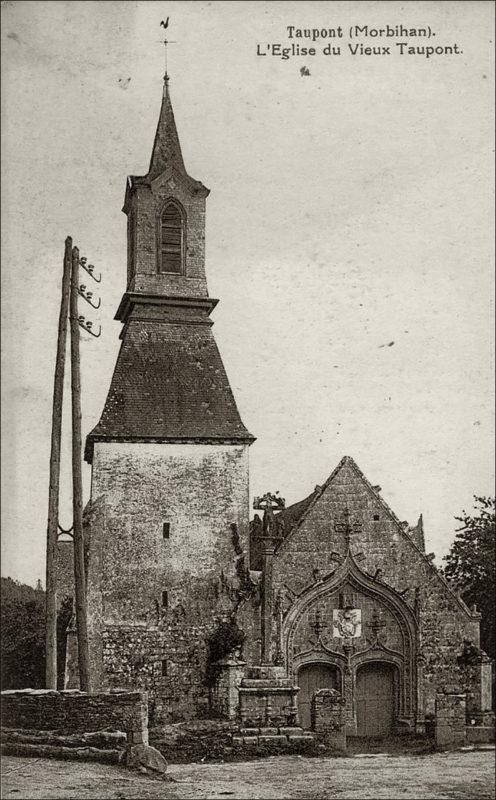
<point x="166" y="148"/>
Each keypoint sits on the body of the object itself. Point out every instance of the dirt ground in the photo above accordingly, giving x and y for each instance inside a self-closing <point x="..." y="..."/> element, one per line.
<point x="455" y="775"/>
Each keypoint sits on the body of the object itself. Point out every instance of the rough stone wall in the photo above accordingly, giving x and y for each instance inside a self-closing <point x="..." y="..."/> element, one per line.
<point x="138" y="637"/>
<point x="384" y="549"/>
<point x="76" y="712"/>
<point x="269" y="705"/>
<point x="146" y="205"/>
<point x="450" y="718"/>
<point x="329" y="717"/>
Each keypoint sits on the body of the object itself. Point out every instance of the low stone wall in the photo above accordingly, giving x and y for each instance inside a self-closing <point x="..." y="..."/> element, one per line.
<point x="329" y="717"/>
<point x="76" y="712"/>
<point x="450" y="727"/>
<point x="480" y="734"/>
<point x="267" y="705"/>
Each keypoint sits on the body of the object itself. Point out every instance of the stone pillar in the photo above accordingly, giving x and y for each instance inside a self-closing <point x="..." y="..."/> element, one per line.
<point x="476" y="678"/>
<point x="329" y="717"/>
<point x="268" y="546"/>
<point x="479" y="693"/>
<point x="486" y="674"/>
<point x="450" y="717"/>
<point x="420" y="704"/>
<point x="231" y="673"/>
<point x="137" y="728"/>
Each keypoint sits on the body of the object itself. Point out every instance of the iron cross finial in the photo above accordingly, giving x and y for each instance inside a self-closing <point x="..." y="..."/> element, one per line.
<point x="165" y="24"/>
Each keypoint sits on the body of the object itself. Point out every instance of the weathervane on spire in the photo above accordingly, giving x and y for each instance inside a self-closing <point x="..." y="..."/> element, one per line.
<point x="166" y="41"/>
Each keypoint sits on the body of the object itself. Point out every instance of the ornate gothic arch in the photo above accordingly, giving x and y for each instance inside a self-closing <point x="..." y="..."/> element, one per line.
<point x="403" y="657"/>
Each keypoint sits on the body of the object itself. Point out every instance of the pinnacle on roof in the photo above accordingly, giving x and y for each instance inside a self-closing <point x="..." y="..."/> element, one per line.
<point x="166" y="148"/>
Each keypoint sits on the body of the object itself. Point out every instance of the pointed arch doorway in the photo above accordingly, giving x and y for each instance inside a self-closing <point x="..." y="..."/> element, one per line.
<point x="311" y="677"/>
<point x="376" y="689"/>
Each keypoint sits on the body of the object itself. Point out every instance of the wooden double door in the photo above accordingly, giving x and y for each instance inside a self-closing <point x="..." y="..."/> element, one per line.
<point x="375" y="694"/>
<point x="312" y="677"/>
<point x="375" y="699"/>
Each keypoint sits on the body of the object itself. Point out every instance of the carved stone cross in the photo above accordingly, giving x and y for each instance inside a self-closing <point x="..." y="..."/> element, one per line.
<point x="346" y="528"/>
<point x="269" y="503"/>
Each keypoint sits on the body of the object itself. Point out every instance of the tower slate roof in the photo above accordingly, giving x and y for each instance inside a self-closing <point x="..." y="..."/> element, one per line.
<point x="169" y="385"/>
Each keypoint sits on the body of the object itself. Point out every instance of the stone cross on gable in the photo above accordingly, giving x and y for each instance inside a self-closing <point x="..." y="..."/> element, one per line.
<point x="269" y="503"/>
<point x="346" y="528"/>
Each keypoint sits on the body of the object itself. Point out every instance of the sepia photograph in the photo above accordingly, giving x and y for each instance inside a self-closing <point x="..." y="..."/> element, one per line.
<point x="248" y="503"/>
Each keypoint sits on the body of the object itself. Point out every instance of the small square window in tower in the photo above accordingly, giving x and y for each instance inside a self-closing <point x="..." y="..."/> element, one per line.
<point x="171" y="239"/>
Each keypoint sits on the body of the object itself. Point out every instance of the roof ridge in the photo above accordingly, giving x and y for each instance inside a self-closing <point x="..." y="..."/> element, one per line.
<point x="352" y="463"/>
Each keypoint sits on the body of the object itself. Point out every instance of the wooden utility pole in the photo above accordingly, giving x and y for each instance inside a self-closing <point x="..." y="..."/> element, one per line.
<point x="53" y="490"/>
<point x="77" y="485"/>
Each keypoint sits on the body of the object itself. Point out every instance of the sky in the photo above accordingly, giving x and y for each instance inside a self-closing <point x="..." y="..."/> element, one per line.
<point x="349" y="236"/>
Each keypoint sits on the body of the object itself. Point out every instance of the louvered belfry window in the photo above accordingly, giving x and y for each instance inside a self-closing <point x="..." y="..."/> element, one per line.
<point x="171" y="240"/>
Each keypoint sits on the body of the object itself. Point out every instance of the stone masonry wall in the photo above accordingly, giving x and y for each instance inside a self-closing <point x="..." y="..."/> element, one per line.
<point x="139" y="636"/>
<point x="76" y="712"/>
<point x="384" y="550"/>
<point x="450" y="718"/>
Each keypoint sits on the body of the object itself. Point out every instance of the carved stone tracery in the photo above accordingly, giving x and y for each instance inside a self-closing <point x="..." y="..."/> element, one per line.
<point x="349" y="580"/>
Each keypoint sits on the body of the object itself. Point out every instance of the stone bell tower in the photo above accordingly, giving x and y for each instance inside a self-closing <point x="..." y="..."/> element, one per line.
<point x="167" y="522"/>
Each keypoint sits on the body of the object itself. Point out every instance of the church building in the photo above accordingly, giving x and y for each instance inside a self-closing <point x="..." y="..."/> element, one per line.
<point x="331" y="592"/>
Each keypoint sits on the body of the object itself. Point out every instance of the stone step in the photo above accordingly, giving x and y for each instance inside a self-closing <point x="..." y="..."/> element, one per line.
<point x="301" y="737"/>
<point x="250" y="740"/>
<point x="254" y="736"/>
<point x="272" y="738"/>
<point x="290" y="730"/>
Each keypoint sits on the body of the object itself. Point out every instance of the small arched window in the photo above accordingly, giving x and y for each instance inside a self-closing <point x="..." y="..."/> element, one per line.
<point x="171" y="240"/>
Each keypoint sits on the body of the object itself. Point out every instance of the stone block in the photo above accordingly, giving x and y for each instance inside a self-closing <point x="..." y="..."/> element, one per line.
<point x="301" y="737"/>
<point x="274" y="739"/>
<point x="138" y="737"/>
<point x="480" y="733"/>
<point x="237" y="739"/>
<point x="268" y="731"/>
<point x="290" y="730"/>
<point x="250" y="739"/>
<point x="249" y="731"/>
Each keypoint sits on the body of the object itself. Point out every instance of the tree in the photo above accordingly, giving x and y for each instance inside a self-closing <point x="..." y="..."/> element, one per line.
<point x="23" y="635"/>
<point x="23" y="640"/>
<point x="470" y="566"/>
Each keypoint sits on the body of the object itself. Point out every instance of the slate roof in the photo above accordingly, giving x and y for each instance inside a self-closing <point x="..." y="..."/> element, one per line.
<point x="169" y="383"/>
<point x="166" y="147"/>
<point x="292" y="514"/>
